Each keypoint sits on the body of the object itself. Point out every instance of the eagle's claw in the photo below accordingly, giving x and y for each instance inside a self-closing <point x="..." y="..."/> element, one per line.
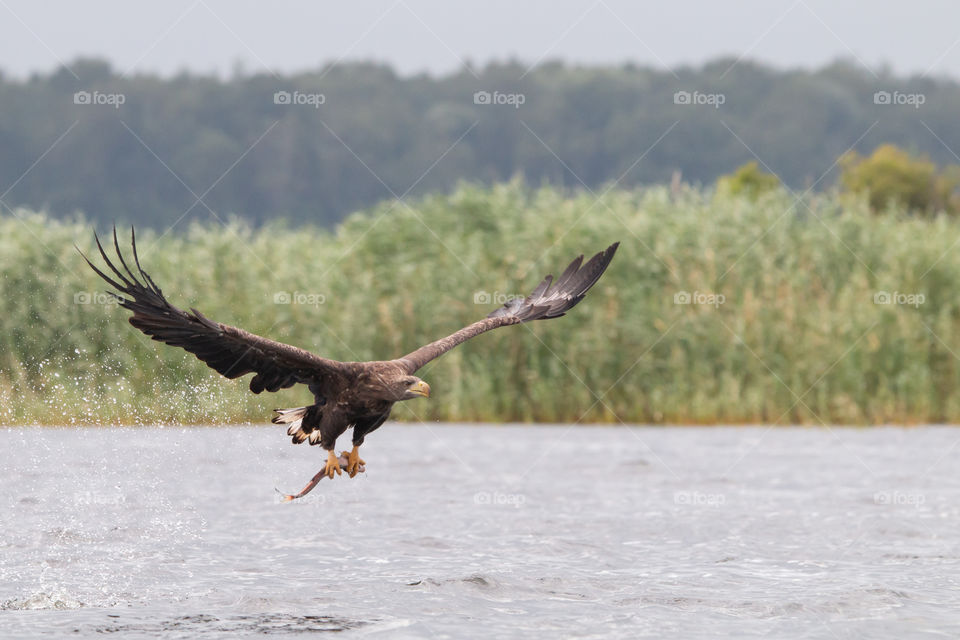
<point x="353" y="461"/>
<point x="333" y="465"/>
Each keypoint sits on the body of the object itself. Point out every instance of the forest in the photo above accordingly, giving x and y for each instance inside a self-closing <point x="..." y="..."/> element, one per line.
<point x="317" y="146"/>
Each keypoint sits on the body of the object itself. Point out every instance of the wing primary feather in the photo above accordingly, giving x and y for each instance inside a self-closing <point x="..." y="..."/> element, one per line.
<point x="103" y="254"/>
<point x="230" y="351"/>
<point x="136" y="259"/>
<point x="569" y="272"/>
<point x="550" y="299"/>
<point x="543" y="286"/>
<point x="123" y="263"/>
<point x="109" y="280"/>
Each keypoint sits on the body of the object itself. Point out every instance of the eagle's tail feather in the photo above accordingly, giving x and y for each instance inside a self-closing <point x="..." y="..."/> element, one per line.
<point x="286" y="416"/>
<point x="303" y="423"/>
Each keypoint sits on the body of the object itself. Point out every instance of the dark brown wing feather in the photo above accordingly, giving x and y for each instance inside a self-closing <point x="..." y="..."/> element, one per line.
<point x="550" y="299"/>
<point x="230" y="351"/>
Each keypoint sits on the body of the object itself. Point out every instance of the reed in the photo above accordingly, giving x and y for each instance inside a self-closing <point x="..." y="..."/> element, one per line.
<point x="785" y="323"/>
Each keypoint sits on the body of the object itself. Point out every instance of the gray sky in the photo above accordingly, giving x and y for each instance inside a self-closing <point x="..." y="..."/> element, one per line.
<point x="438" y="35"/>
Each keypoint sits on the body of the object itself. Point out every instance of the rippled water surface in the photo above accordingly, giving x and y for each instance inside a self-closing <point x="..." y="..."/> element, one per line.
<point x="483" y="531"/>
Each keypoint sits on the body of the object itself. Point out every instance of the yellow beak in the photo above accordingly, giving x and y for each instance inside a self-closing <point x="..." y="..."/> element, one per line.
<point x="421" y="389"/>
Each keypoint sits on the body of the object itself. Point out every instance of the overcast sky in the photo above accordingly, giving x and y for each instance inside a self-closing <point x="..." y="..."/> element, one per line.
<point x="438" y="36"/>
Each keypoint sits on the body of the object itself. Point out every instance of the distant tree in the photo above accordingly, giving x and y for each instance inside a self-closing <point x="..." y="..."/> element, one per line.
<point x="748" y="180"/>
<point x="892" y="177"/>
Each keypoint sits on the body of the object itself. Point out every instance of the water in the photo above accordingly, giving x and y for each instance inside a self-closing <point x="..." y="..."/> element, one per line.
<point x="469" y="531"/>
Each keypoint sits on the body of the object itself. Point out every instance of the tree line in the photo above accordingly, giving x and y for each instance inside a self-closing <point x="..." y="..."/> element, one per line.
<point x="314" y="147"/>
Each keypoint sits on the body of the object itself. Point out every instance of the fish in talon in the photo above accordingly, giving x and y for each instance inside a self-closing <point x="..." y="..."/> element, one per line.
<point x="344" y="462"/>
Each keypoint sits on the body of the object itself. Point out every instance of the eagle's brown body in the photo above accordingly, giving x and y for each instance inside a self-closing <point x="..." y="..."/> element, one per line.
<point x="355" y="400"/>
<point x="346" y="394"/>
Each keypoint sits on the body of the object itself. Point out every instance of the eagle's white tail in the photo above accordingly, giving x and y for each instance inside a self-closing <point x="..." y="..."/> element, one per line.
<point x="297" y="429"/>
<point x="293" y="417"/>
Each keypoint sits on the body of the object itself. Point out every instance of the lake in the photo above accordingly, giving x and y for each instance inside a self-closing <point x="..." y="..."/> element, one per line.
<point x="482" y="531"/>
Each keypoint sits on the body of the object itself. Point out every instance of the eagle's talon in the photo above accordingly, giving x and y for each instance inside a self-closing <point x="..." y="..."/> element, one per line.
<point x="333" y="465"/>
<point x="353" y="461"/>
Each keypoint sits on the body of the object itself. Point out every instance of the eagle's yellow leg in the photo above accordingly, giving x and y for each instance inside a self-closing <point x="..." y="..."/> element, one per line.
<point x="333" y="465"/>
<point x="353" y="461"/>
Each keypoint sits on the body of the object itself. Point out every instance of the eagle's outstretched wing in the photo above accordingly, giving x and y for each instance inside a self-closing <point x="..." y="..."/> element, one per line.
<point x="551" y="299"/>
<point x="229" y="350"/>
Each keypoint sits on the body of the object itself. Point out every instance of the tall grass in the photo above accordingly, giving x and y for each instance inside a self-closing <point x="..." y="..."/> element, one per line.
<point x="797" y="336"/>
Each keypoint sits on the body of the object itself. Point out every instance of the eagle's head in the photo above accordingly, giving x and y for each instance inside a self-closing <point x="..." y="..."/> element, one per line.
<point x="413" y="387"/>
<point x="398" y="387"/>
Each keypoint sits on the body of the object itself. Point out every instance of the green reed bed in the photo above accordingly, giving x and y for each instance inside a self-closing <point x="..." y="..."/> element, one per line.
<point x="786" y="321"/>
